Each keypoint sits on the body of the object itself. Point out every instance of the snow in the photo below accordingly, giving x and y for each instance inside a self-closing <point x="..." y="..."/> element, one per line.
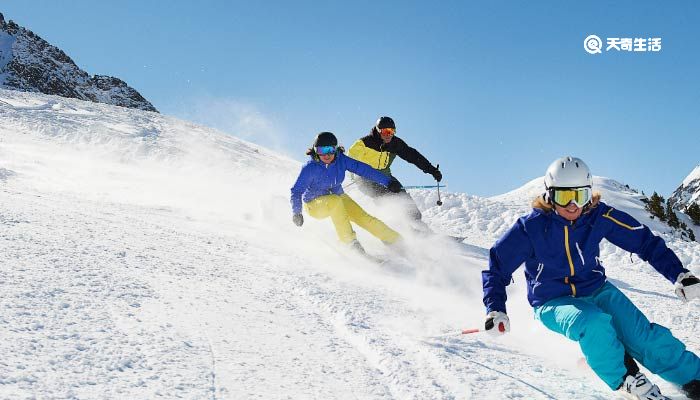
<point x="142" y="256"/>
<point x="687" y="193"/>
<point x="6" y="42"/>
<point x="693" y="176"/>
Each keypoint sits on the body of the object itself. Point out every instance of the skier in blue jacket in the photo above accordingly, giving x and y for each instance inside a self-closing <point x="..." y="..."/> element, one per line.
<point x="559" y="242"/>
<point x="319" y="185"/>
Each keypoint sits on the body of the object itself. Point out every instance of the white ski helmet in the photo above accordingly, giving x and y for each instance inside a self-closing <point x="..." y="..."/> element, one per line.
<point x="568" y="172"/>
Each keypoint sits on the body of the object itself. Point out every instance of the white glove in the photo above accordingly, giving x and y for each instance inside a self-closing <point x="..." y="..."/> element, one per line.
<point x="497" y="323"/>
<point x="687" y="286"/>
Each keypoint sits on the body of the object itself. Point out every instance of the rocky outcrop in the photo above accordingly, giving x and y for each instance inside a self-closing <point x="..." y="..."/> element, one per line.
<point x="29" y="63"/>
<point x="688" y="192"/>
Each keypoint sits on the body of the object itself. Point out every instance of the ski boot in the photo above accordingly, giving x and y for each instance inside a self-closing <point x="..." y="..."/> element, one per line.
<point x="638" y="387"/>
<point x="356" y="247"/>
<point x="398" y="247"/>
<point x="692" y="389"/>
<point x="420" y="228"/>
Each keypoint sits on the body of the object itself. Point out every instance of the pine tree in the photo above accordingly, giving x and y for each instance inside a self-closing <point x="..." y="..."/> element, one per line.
<point x="693" y="211"/>
<point x="685" y="231"/>
<point x="655" y="206"/>
<point x="673" y="220"/>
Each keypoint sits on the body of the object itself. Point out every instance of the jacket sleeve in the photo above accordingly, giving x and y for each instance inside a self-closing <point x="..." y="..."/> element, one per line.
<point x="412" y="155"/>
<point x="365" y="171"/>
<point x="509" y="252"/>
<point x="357" y="150"/>
<point x="300" y="186"/>
<point x="628" y="234"/>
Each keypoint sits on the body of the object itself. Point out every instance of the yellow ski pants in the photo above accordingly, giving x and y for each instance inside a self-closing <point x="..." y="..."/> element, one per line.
<point x="342" y="210"/>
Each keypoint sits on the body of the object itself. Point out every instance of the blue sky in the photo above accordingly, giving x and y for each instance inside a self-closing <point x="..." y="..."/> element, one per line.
<point x="492" y="91"/>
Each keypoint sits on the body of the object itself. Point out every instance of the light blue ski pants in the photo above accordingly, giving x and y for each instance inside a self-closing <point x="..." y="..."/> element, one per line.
<point x="606" y="324"/>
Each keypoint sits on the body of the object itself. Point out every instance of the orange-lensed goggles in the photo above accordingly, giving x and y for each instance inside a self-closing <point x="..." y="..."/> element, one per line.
<point x="388" y="131"/>
<point x="563" y="196"/>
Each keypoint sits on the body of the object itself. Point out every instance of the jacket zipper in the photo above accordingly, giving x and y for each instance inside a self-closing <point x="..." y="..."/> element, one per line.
<point x="571" y="261"/>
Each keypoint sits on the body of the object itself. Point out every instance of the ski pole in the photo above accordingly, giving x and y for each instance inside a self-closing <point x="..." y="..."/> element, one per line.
<point x="423" y="186"/>
<point x="468" y="331"/>
<point x="439" y="202"/>
<point x="457" y="333"/>
<point x="501" y="328"/>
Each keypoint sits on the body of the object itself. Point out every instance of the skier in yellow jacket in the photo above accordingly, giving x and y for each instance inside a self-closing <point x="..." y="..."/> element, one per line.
<point x="378" y="149"/>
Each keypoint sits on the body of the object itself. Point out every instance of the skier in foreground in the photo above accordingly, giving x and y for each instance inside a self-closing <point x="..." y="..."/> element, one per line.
<point x="378" y="149"/>
<point x="559" y="244"/>
<point x="320" y="185"/>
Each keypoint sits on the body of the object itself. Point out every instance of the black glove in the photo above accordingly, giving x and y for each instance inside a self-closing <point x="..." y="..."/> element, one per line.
<point x="688" y="287"/>
<point x="298" y="219"/>
<point x="437" y="174"/>
<point x="394" y="185"/>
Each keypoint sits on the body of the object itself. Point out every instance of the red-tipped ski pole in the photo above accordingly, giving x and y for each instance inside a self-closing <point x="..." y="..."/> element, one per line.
<point x="468" y="331"/>
<point x="501" y="328"/>
<point x="439" y="201"/>
<point x="456" y="333"/>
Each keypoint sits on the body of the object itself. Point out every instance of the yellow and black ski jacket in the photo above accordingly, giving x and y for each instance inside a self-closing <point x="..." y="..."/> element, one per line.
<point x="372" y="150"/>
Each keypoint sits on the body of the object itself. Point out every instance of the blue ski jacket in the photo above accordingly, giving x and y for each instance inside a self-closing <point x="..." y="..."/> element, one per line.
<point x="318" y="179"/>
<point x="562" y="257"/>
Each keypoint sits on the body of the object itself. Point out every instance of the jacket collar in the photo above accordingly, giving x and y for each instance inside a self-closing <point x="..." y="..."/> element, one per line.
<point x="318" y="161"/>
<point x="556" y="218"/>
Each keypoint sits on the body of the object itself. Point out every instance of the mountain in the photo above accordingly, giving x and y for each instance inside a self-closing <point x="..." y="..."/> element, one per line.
<point x="29" y="63"/>
<point x="143" y="256"/>
<point x="688" y="192"/>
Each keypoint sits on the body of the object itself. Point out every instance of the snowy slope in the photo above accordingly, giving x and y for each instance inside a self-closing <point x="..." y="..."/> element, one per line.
<point x="142" y="256"/>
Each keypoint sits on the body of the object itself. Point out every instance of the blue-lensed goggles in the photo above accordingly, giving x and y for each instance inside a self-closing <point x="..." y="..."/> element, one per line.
<point x="323" y="150"/>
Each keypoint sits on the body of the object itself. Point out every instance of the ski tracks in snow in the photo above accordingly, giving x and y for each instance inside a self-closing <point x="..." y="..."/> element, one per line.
<point x="71" y="307"/>
<point x="124" y="301"/>
<point x="412" y="368"/>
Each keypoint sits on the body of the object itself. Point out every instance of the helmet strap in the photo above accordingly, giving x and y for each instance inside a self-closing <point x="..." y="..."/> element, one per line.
<point x="586" y="207"/>
<point x="547" y="196"/>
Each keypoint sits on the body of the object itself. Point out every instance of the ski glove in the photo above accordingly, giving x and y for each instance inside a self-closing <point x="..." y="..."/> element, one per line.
<point x="298" y="219"/>
<point x="497" y="323"/>
<point x="687" y="287"/>
<point x="394" y="185"/>
<point x="437" y="174"/>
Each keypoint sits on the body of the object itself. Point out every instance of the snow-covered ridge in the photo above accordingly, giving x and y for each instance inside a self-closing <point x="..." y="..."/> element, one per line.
<point x="693" y="176"/>
<point x="484" y="220"/>
<point x="125" y="134"/>
<point x="156" y="159"/>
<point x="688" y="192"/>
<point x="29" y="63"/>
<point x="142" y="256"/>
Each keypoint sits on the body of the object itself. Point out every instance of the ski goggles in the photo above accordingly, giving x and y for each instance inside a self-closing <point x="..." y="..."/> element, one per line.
<point x="563" y="196"/>
<point x="323" y="150"/>
<point x="388" y="131"/>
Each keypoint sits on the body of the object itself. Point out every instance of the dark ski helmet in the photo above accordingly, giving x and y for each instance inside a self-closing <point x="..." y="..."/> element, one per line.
<point x="325" y="139"/>
<point x="385" y="122"/>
